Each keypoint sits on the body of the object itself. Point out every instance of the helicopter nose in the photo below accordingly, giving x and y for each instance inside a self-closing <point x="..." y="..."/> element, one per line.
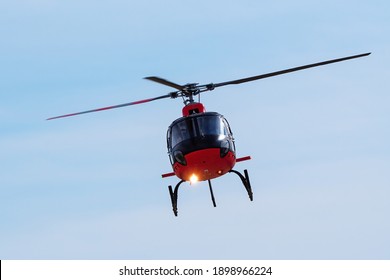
<point x="205" y="165"/>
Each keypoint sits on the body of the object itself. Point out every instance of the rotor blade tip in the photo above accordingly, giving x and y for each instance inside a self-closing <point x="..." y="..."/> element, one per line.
<point x="150" y="77"/>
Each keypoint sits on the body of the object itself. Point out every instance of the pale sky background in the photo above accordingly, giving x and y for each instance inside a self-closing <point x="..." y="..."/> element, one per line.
<point x="90" y="187"/>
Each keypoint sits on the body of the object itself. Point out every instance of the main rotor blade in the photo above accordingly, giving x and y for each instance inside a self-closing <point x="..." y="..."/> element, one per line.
<point x="112" y="107"/>
<point x="164" y="82"/>
<point x="263" y="76"/>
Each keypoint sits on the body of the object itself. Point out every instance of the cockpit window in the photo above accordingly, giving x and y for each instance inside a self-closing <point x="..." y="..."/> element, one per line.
<point x="211" y="125"/>
<point x="199" y="126"/>
<point x="180" y="132"/>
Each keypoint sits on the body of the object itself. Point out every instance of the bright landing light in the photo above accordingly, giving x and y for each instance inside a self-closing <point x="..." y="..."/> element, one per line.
<point x="193" y="179"/>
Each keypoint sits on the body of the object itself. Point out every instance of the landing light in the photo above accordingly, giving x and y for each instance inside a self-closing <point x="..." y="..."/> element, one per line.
<point x="193" y="179"/>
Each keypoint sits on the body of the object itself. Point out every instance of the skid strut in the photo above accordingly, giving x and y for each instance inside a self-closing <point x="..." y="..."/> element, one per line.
<point x="173" y="195"/>
<point x="245" y="182"/>
<point x="244" y="178"/>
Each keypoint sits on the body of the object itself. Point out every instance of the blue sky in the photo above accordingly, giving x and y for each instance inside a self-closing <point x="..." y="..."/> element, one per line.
<point x="89" y="187"/>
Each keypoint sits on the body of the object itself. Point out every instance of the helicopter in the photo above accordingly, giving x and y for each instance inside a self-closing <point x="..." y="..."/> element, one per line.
<point x="200" y="144"/>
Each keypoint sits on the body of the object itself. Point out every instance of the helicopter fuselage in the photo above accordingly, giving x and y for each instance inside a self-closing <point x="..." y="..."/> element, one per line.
<point x="200" y="144"/>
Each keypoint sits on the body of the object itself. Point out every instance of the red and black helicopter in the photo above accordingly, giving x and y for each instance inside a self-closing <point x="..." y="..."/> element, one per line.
<point x="200" y="144"/>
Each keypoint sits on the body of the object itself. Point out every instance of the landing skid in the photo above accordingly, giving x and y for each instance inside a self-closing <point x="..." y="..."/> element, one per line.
<point x="244" y="178"/>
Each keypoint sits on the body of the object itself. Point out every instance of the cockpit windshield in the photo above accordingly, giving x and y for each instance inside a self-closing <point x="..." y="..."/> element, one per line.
<point x="199" y="126"/>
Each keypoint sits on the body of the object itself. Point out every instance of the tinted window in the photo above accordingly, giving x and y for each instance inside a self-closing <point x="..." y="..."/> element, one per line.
<point x="198" y="126"/>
